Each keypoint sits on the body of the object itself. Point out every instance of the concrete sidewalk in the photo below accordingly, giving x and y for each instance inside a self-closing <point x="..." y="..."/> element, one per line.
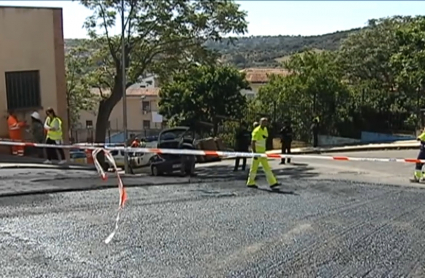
<point x="11" y="161"/>
<point x="406" y="144"/>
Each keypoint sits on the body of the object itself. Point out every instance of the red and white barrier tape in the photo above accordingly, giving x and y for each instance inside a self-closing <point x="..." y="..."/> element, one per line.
<point x="123" y="194"/>
<point x="96" y="150"/>
<point x="219" y="153"/>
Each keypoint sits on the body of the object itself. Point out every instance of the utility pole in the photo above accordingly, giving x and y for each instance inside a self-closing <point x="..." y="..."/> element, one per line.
<point x="124" y="95"/>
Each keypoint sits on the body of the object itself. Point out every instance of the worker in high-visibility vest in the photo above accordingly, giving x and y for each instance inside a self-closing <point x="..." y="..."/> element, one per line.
<point x="258" y="144"/>
<point x="15" y="132"/>
<point x="418" y="175"/>
<point x="53" y="125"/>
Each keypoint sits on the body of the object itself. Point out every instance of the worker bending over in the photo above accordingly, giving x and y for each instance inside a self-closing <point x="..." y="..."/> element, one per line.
<point x="135" y="143"/>
<point x="258" y="143"/>
<point x="418" y="176"/>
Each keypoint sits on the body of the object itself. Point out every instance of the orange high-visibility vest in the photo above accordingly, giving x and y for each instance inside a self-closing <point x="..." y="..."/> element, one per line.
<point x="14" y="128"/>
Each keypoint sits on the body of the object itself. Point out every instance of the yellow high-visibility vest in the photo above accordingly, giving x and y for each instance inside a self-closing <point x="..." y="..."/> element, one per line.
<point x="259" y="135"/>
<point x="55" y="134"/>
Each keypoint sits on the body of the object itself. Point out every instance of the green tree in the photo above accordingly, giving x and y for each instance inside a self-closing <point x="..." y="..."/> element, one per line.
<point x="78" y="93"/>
<point x="365" y="57"/>
<point x="312" y="87"/>
<point x="160" y="37"/>
<point x="204" y="94"/>
<point x="409" y="64"/>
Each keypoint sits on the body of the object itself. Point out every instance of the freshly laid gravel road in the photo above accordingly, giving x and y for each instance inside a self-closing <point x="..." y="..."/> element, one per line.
<point x="322" y="224"/>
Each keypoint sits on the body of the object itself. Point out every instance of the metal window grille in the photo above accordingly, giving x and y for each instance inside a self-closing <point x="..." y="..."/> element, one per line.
<point x="146" y="124"/>
<point x="23" y="89"/>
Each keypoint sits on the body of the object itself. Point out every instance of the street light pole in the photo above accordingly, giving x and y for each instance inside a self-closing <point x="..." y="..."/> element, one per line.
<point x="124" y="96"/>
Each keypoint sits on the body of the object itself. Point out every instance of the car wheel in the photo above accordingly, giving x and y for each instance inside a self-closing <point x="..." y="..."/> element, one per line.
<point x="155" y="171"/>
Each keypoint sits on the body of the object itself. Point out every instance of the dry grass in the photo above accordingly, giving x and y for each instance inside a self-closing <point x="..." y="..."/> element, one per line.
<point x="286" y="57"/>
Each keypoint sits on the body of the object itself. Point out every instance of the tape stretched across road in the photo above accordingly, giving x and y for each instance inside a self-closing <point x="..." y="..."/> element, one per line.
<point x="214" y="153"/>
<point x="122" y="193"/>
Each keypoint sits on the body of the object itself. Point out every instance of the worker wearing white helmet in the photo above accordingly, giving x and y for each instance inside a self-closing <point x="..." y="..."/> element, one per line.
<point x="37" y="131"/>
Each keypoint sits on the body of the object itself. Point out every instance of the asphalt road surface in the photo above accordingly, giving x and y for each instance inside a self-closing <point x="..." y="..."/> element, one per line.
<point x="332" y="219"/>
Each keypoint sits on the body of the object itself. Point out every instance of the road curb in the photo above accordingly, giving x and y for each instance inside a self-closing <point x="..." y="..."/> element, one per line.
<point x="40" y="166"/>
<point x="356" y="149"/>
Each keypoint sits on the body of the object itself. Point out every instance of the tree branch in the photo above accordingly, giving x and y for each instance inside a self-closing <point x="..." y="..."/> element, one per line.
<point x="110" y="46"/>
<point x="73" y="85"/>
<point x="102" y="95"/>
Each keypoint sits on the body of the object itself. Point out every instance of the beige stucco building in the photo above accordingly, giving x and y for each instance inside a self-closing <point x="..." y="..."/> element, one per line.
<point x="32" y="64"/>
<point x="142" y="115"/>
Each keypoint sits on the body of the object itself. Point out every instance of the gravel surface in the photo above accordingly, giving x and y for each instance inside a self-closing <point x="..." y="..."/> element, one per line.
<point x="331" y="219"/>
<point x="315" y="228"/>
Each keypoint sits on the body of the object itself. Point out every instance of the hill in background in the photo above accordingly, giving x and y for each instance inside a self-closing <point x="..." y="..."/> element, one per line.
<point x="265" y="51"/>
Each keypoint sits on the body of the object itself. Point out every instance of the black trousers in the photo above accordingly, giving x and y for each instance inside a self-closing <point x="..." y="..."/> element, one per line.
<point x="421" y="156"/>
<point x="237" y="160"/>
<point x="286" y="149"/>
<point x="51" y="152"/>
<point x="315" y="140"/>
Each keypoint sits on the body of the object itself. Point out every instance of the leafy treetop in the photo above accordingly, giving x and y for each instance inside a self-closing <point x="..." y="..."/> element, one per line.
<point x="204" y="94"/>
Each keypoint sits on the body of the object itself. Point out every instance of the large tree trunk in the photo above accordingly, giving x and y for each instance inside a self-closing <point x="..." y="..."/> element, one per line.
<point x="105" y="108"/>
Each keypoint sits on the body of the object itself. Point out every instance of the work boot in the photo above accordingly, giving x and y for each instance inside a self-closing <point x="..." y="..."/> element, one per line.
<point x="252" y="186"/>
<point x="274" y="186"/>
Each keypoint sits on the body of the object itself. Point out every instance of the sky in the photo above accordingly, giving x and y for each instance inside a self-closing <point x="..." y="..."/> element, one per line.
<point x="304" y="18"/>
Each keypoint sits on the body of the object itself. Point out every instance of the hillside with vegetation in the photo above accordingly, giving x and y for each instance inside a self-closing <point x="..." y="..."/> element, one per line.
<point x="264" y="51"/>
<point x="367" y="79"/>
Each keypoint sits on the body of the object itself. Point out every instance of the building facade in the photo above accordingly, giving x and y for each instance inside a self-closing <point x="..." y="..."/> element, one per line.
<point x="32" y="64"/>
<point x="142" y="115"/>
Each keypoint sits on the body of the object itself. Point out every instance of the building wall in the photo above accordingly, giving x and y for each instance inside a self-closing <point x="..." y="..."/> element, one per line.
<point x="135" y="115"/>
<point x="32" y="39"/>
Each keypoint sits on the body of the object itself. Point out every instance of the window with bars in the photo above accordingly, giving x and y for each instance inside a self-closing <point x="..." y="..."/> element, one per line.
<point x="146" y="124"/>
<point x="23" y="90"/>
<point x="89" y="124"/>
<point x="146" y="106"/>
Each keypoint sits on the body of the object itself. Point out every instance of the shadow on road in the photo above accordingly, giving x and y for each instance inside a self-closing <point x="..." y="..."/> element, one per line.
<point x="277" y="191"/>
<point x="296" y="171"/>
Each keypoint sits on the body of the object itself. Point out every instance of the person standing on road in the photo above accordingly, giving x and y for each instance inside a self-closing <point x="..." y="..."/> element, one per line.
<point x="315" y="130"/>
<point x="37" y="132"/>
<point x="53" y="125"/>
<point x="15" y="132"/>
<point x="242" y="142"/>
<point x="258" y="144"/>
<point x="418" y="175"/>
<point x="286" y="140"/>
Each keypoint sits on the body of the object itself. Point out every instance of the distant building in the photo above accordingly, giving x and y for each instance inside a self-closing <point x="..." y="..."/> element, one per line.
<point x="32" y="68"/>
<point x="258" y="77"/>
<point x="147" y="81"/>
<point x="142" y="114"/>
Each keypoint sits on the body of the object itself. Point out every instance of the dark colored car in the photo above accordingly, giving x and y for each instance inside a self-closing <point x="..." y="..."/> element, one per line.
<point x="174" y="138"/>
